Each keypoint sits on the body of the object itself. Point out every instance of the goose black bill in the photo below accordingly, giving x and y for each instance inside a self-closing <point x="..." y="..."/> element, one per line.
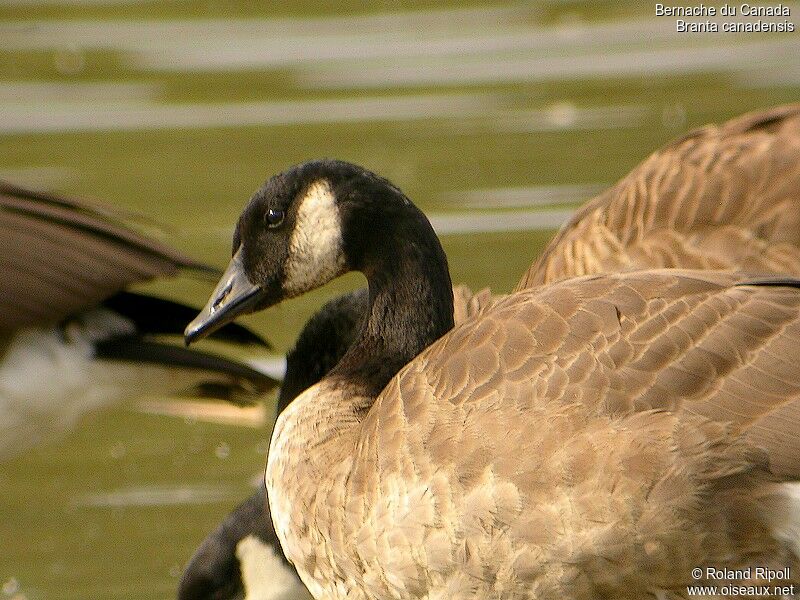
<point x="233" y="296"/>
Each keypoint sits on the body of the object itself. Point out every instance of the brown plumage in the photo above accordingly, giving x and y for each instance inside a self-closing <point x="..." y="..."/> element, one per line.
<point x="62" y="255"/>
<point x="596" y="438"/>
<point x="720" y="197"/>
<point x="577" y="441"/>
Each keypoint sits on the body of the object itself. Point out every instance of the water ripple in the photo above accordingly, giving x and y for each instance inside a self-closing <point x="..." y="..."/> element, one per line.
<point x="148" y="496"/>
<point x="123" y="116"/>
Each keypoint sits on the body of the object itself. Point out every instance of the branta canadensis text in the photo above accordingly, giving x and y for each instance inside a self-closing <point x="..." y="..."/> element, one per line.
<point x="73" y="338"/>
<point x="720" y="197"/>
<point x="242" y="555"/>
<point x="599" y="437"/>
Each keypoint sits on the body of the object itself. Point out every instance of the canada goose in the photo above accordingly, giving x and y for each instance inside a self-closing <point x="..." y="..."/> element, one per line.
<point x="720" y="197"/>
<point x="72" y="338"/>
<point x="242" y="555"/>
<point x="599" y="437"/>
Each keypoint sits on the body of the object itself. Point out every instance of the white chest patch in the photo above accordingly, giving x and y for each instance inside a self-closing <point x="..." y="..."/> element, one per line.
<point x="265" y="576"/>
<point x="315" y="248"/>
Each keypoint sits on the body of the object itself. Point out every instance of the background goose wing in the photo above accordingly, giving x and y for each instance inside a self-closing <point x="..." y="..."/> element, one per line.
<point x="61" y="255"/>
<point x="721" y="197"/>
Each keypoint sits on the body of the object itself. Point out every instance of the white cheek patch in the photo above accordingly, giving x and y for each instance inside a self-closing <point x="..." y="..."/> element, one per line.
<point x="264" y="575"/>
<point x="315" y="247"/>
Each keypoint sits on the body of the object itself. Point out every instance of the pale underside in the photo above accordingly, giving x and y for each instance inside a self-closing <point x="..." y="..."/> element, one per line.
<point x="577" y="441"/>
<point x="33" y="409"/>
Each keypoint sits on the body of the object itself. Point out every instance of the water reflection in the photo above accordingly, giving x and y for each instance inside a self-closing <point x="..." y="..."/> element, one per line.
<point x="151" y="496"/>
<point x="128" y="115"/>
<point x="728" y="55"/>
<point x="525" y="196"/>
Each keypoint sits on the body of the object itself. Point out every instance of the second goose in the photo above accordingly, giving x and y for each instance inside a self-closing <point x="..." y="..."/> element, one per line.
<point x="73" y="339"/>
<point x="720" y="197"/>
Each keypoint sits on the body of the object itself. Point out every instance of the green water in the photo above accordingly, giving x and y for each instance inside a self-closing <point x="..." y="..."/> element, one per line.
<point x="453" y="107"/>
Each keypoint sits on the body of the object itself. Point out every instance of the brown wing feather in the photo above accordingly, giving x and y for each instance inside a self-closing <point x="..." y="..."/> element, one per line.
<point x="581" y="440"/>
<point x="639" y="384"/>
<point x="466" y="304"/>
<point x="706" y="342"/>
<point x="60" y="256"/>
<point x="720" y="197"/>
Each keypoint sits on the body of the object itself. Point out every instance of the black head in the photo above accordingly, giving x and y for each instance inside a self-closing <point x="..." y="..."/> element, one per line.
<point x="214" y="572"/>
<point x="241" y="558"/>
<point x="304" y="227"/>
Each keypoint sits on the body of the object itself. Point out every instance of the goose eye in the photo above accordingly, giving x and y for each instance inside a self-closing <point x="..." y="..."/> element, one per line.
<point x="274" y="217"/>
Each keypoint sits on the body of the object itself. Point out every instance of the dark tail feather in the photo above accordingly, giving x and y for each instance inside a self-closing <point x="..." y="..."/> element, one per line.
<point x="245" y="382"/>
<point x="773" y="282"/>
<point x="99" y="220"/>
<point x="161" y="316"/>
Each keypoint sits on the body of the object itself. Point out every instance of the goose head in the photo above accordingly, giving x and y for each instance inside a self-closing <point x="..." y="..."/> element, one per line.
<point x="314" y="222"/>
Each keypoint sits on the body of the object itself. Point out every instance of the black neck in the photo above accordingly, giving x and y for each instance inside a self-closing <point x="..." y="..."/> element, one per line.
<point x="410" y="298"/>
